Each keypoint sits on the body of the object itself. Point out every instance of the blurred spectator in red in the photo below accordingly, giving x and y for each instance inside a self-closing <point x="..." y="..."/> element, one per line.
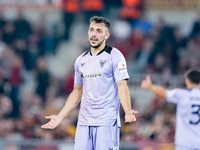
<point x="92" y="8"/>
<point x="6" y="59"/>
<point x="69" y="10"/>
<point x="131" y="9"/>
<point x="15" y="80"/>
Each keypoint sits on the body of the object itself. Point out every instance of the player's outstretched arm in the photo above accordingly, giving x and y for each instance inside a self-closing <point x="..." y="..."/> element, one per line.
<point x="53" y="123"/>
<point x="125" y="100"/>
<point x="71" y="103"/>
<point x="158" y="90"/>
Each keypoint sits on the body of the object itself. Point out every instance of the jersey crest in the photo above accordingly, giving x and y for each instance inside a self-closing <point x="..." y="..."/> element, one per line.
<point x="102" y="63"/>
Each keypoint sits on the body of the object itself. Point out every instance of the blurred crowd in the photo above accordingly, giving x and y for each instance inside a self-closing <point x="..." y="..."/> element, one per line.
<point x="149" y="48"/>
<point x="157" y="48"/>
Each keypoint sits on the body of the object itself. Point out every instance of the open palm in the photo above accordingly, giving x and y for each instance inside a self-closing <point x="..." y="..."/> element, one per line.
<point x="53" y="123"/>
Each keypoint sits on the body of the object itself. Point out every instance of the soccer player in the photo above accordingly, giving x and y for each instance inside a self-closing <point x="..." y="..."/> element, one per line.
<point x="187" y="136"/>
<point x="100" y="85"/>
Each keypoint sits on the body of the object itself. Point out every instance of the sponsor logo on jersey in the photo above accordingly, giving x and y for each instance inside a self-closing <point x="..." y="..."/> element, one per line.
<point x="122" y="66"/>
<point x="102" y="63"/>
<point x="93" y="75"/>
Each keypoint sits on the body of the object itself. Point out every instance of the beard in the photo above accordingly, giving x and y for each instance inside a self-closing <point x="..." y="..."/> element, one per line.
<point x="98" y="45"/>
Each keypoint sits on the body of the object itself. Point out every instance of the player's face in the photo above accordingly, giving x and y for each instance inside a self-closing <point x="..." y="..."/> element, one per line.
<point x="97" y="34"/>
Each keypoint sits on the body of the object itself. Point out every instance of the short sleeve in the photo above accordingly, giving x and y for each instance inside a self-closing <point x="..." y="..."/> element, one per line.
<point x="173" y="95"/>
<point x="77" y="75"/>
<point x="119" y="66"/>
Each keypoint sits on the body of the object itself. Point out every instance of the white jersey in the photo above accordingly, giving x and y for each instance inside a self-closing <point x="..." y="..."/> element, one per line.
<point x="187" y="116"/>
<point x="99" y="75"/>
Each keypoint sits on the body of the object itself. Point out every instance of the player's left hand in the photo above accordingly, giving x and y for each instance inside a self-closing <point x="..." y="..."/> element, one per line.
<point x="130" y="116"/>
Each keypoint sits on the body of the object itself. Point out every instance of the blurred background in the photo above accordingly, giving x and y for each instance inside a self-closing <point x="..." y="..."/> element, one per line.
<point x="40" y="40"/>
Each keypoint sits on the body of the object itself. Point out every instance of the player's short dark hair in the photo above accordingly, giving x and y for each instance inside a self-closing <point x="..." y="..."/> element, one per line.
<point x="98" y="19"/>
<point x="193" y="75"/>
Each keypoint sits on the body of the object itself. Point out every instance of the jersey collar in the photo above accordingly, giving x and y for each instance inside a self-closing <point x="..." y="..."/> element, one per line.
<point x="106" y="49"/>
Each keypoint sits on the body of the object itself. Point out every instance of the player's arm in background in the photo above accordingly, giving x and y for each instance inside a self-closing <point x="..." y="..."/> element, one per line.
<point x="125" y="100"/>
<point x="71" y="103"/>
<point x="158" y="90"/>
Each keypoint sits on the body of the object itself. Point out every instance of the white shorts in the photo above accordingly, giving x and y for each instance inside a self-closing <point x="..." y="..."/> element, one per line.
<point x="97" y="138"/>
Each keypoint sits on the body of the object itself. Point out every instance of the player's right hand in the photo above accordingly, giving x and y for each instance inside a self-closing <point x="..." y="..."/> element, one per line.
<point x="53" y="123"/>
<point x="146" y="83"/>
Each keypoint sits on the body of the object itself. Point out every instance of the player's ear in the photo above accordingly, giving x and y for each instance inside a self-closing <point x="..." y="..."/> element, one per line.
<point x="107" y="35"/>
